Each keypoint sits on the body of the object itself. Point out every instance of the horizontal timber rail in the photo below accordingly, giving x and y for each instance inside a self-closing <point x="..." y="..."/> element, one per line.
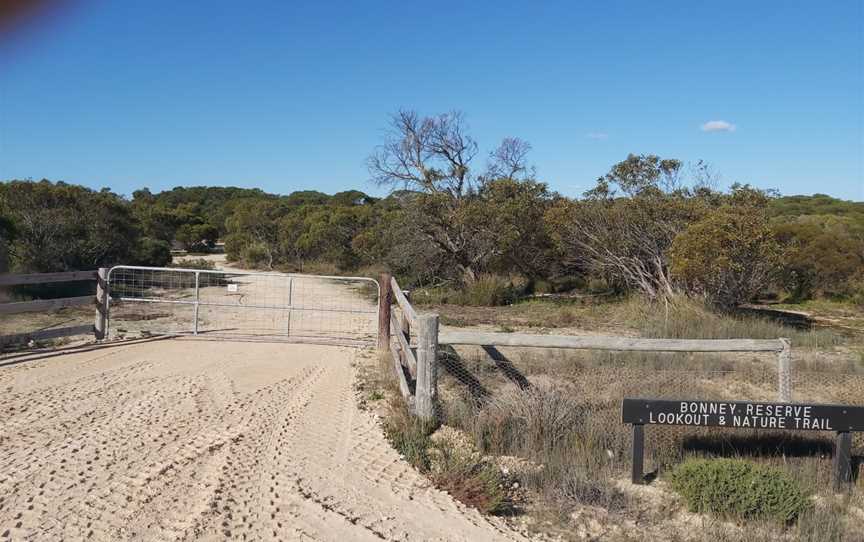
<point x="782" y="347"/>
<point x="46" y="305"/>
<point x="416" y="368"/>
<point x="47" y="278"/>
<point x="402" y="300"/>
<point x="610" y="343"/>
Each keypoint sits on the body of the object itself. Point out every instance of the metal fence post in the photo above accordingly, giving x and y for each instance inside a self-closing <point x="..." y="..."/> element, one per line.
<point x="197" y="300"/>
<point x="426" y="392"/>
<point x="784" y="371"/>
<point x="100" y="327"/>
<point x="385" y="293"/>
<point x="290" y="300"/>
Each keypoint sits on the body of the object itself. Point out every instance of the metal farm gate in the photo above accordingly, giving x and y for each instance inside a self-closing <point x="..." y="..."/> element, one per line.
<point x="242" y="305"/>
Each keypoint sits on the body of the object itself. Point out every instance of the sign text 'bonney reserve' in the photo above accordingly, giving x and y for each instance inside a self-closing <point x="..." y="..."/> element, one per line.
<point x="741" y="414"/>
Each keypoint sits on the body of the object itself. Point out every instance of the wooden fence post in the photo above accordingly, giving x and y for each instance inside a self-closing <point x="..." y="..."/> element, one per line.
<point x="784" y="372"/>
<point x="842" y="460"/>
<point x="426" y="392"/>
<point x="637" y="472"/>
<point x="100" y="327"/>
<point x="406" y="322"/>
<point x="385" y="294"/>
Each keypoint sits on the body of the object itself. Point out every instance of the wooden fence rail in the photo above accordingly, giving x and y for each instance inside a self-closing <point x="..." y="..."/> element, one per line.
<point x="47" y="278"/>
<point x="42" y="305"/>
<point x="782" y="347"/>
<point x="611" y="343"/>
<point x="416" y="365"/>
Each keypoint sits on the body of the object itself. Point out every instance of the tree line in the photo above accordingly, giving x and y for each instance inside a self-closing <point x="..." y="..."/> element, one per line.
<point x="453" y="216"/>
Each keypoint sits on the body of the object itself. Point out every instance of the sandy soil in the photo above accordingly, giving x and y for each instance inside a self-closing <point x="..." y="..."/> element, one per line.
<point x="178" y="439"/>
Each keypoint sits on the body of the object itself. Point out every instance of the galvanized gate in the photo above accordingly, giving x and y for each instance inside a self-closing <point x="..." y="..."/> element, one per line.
<point x="242" y="305"/>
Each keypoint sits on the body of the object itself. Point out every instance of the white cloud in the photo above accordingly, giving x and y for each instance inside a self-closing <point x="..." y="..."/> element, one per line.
<point x="718" y="126"/>
<point x="598" y="135"/>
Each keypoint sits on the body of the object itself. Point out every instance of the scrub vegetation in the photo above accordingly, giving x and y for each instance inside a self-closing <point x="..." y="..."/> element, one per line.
<point x="654" y="249"/>
<point x="470" y="229"/>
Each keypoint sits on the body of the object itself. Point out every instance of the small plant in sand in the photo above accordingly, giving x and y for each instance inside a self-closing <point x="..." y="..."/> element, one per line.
<point x="735" y="488"/>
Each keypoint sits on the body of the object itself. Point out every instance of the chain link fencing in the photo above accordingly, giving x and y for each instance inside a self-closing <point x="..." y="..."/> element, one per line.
<point x="565" y="405"/>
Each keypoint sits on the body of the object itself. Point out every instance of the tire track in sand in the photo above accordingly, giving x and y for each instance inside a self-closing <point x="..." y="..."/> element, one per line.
<point x="192" y="440"/>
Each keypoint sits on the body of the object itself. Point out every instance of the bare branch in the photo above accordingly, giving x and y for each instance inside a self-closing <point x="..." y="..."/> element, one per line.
<point x="431" y="154"/>
<point x="510" y="160"/>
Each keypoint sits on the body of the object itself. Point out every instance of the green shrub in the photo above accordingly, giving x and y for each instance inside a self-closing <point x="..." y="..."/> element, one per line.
<point x="730" y="256"/>
<point x="153" y="252"/>
<point x="737" y="488"/>
<point x="408" y="435"/>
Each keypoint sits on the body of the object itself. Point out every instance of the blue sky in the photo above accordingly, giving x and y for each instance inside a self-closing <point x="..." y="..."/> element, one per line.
<point x="294" y="95"/>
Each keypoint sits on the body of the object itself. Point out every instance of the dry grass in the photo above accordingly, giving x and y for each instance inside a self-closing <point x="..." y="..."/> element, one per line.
<point x="682" y="318"/>
<point x="560" y="411"/>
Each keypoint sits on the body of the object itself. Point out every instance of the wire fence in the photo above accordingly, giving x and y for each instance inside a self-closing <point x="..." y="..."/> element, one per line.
<point x="272" y="306"/>
<point x="493" y="391"/>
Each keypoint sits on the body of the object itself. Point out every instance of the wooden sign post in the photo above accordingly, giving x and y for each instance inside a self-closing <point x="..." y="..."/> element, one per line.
<point x="841" y="419"/>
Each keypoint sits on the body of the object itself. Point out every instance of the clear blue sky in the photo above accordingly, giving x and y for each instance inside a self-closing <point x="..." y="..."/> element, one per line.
<point x="294" y="95"/>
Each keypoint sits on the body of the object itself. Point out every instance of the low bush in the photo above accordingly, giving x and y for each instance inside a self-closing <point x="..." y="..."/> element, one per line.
<point x="540" y="418"/>
<point x="407" y="434"/>
<point x="490" y="291"/>
<point x="739" y="489"/>
<point x="457" y="468"/>
<point x="153" y="252"/>
<point x="486" y="291"/>
<point x="195" y="263"/>
<point x="547" y="424"/>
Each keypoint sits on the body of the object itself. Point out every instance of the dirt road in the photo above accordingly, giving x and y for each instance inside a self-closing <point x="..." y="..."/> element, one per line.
<point x="187" y="439"/>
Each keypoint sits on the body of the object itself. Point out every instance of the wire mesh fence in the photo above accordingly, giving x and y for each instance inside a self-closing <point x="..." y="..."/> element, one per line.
<point x="271" y="306"/>
<point x="538" y="403"/>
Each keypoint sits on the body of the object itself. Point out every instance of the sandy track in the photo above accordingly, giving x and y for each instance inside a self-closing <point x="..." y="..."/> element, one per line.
<point x="187" y="439"/>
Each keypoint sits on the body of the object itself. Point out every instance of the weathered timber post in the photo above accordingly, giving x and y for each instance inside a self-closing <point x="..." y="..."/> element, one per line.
<point x="406" y="323"/>
<point x="426" y="392"/>
<point x="385" y="295"/>
<point x="100" y="326"/>
<point x="784" y="372"/>
<point x="637" y="475"/>
<point x="842" y="460"/>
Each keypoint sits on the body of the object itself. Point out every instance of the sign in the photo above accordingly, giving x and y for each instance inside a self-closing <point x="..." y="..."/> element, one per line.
<point x="232" y="287"/>
<point x="842" y="419"/>
<point x="744" y="415"/>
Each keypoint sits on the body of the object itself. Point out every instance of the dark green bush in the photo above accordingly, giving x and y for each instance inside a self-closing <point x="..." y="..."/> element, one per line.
<point x="153" y="252"/>
<point x="739" y="489"/>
